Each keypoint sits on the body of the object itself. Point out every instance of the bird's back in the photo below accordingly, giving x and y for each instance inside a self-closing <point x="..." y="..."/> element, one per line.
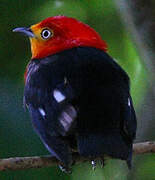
<point x="97" y="88"/>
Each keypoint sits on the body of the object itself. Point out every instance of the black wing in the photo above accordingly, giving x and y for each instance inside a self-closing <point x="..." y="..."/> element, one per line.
<point x="49" y="97"/>
<point x="106" y="123"/>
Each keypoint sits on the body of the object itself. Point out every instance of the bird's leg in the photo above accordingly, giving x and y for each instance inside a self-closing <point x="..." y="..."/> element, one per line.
<point x="93" y="163"/>
<point x="102" y="161"/>
<point x="65" y="169"/>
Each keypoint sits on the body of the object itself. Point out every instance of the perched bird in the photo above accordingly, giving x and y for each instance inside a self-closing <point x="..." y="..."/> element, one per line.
<point x="77" y="95"/>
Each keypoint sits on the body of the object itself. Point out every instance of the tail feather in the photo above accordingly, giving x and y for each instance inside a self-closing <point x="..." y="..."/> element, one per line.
<point x="110" y="143"/>
<point x="129" y="160"/>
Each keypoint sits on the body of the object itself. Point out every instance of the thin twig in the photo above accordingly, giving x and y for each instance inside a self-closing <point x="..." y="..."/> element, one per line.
<point x="17" y="163"/>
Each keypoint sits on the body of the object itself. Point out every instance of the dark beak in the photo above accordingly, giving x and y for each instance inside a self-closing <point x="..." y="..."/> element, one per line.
<point x="24" y="30"/>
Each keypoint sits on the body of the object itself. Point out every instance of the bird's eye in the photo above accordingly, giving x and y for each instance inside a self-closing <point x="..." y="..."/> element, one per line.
<point x="46" y="34"/>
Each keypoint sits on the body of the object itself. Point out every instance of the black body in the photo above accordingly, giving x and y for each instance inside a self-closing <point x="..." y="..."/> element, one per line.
<point x="96" y="98"/>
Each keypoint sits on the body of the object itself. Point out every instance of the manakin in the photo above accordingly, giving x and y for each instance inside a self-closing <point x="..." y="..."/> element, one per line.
<point x="77" y="95"/>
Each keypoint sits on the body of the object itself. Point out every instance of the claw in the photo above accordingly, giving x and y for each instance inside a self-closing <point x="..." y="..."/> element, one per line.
<point x="65" y="169"/>
<point x="93" y="165"/>
<point x="102" y="163"/>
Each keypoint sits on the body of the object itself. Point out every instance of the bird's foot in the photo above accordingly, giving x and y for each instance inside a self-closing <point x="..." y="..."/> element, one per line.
<point x="102" y="162"/>
<point x="65" y="169"/>
<point x="93" y="163"/>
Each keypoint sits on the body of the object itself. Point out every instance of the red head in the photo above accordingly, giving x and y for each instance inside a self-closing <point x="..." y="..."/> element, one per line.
<point x="58" y="33"/>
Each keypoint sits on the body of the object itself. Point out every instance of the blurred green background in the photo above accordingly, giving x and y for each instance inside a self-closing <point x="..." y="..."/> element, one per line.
<point x="17" y="137"/>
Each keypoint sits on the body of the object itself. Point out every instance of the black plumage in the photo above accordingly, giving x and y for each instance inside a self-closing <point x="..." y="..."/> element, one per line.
<point x="80" y="98"/>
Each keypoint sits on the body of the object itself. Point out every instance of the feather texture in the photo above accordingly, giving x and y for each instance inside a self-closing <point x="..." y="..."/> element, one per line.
<point x="94" y="114"/>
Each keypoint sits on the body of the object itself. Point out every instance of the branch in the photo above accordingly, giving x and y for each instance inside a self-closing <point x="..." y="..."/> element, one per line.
<point x="144" y="147"/>
<point x="18" y="163"/>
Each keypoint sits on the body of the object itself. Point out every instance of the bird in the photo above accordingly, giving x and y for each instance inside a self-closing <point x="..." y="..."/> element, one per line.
<point x="77" y="95"/>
